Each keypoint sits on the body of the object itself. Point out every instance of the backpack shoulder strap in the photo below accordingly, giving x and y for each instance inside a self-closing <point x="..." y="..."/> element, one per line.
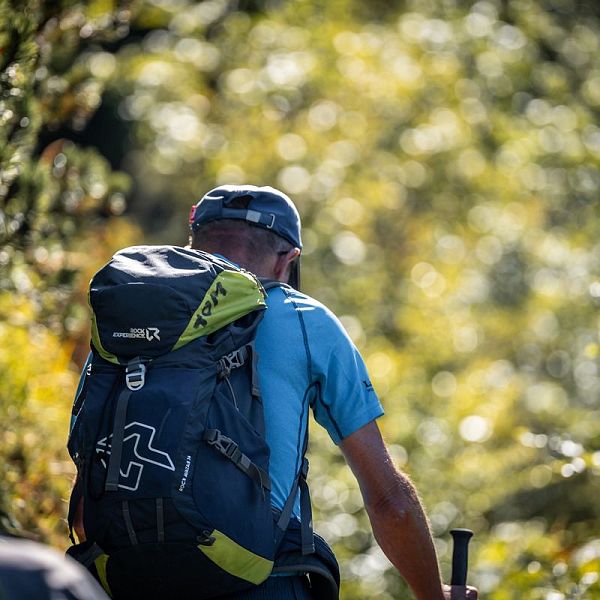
<point x="308" y="544"/>
<point x="269" y="284"/>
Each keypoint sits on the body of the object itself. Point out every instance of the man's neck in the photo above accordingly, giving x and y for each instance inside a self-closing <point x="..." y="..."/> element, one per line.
<point x="240" y="257"/>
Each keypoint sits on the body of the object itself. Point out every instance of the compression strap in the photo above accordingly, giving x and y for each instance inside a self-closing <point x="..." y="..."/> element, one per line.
<point x="135" y="377"/>
<point x="116" y="447"/>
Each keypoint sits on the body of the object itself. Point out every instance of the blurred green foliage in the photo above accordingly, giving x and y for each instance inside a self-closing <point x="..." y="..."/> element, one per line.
<point x="58" y="202"/>
<point x="445" y="158"/>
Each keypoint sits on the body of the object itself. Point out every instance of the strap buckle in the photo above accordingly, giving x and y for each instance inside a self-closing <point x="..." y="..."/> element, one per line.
<point x="221" y="442"/>
<point x="266" y="219"/>
<point x="231" y="361"/>
<point x="206" y="539"/>
<point x="135" y="376"/>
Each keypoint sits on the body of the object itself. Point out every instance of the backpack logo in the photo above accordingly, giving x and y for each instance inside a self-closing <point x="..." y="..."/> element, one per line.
<point x="207" y="308"/>
<point x="152" y="333"/>
<point x="136" y="443"/>
<point x="139" y="333"/>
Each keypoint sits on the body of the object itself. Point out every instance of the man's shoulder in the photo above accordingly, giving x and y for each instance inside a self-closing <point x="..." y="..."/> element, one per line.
<point x="320" y="321"/>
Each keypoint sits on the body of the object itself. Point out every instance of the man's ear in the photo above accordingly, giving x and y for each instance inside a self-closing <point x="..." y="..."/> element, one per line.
<point x="283" y="264"/>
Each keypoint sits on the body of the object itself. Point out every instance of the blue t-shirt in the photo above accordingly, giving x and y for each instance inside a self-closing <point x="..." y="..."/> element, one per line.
<point x="306" y="359"/>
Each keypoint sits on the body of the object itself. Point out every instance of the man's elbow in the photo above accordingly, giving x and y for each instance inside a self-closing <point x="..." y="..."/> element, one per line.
<point x="393" y="504"/>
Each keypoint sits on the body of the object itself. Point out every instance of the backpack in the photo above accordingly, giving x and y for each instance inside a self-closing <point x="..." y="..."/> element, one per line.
<point x="168" y="437"/>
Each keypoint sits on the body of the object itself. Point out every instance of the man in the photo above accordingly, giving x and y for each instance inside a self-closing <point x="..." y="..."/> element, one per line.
<point x="306" y="359"/>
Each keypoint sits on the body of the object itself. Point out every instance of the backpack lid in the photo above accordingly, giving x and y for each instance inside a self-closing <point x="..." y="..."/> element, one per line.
<point x="150" y="300"/>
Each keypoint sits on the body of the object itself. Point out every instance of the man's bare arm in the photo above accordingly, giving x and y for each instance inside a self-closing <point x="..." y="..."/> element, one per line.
<point x="396" y="514"/>
<point x="78" y="522"/>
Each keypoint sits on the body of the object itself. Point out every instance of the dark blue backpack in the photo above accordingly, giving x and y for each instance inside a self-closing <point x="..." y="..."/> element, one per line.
<point x="169" y="435"/>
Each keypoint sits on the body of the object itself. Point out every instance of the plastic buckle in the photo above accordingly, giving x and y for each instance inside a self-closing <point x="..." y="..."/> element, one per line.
<point x="206" y="539"/>
<point x="135" y="376"/>
<point x="222" y="443"/>
<point x="230" y="447"/>
<point x="231" y="361"/>
<point x="211" y="435"/>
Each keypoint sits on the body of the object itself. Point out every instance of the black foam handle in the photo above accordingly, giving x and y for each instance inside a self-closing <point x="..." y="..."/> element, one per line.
<point x="460" y="555"/>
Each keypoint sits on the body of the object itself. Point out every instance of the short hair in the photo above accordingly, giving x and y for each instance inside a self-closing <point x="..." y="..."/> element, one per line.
<point x="228" y="233"/>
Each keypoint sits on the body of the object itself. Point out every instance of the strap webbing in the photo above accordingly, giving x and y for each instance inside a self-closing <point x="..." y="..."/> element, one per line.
<point x="135" y="373"/>
<point x="286" y="513"/>
<point x="114" y="463"/>
<point x="129" y="523"/>
<point x="255" y="386"/>
<point x="160" y="519"/>
<point x="305" y="511"/>
<point x="253" y="216"/>
<point x="306" y="526"/>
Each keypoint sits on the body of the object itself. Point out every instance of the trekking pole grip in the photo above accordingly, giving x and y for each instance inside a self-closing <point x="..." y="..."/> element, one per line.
<point x="460" y="555"/>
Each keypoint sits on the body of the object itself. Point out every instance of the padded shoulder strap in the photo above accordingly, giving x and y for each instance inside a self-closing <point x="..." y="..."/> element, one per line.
<point x="269" y="284"/>
<point x="300" y="483"/>
<point x="76" y="496"/>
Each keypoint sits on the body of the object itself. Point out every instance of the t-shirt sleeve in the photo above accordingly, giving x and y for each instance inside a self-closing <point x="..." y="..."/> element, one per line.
<point x="344" y="399"/>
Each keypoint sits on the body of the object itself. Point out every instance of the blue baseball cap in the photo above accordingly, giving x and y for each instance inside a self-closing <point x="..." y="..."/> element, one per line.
<point x="261" y="206"/>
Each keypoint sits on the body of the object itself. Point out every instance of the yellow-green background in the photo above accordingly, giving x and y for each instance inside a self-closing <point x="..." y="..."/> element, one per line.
<point x="444" y="156"/>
